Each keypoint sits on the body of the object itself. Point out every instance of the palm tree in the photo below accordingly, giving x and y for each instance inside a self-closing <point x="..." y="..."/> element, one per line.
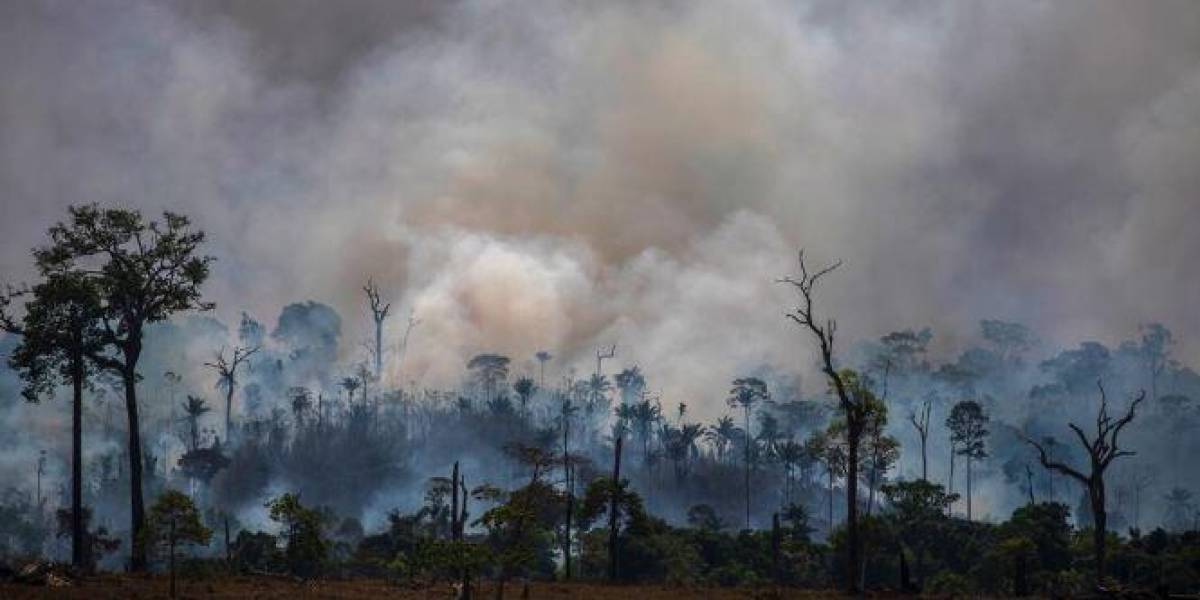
<point x="791" y="454"/>
<point x="542" y="357"/>
<point x="194" y="408"/>
<point x="645" y="415"/>
<point x="524" y="387"/>
<point x="722" y="435"/>
<point x="598" y="387"/>
<point x="350" y="384"/>
<point x="746" y="392"/>
<point x="631" y="383"/>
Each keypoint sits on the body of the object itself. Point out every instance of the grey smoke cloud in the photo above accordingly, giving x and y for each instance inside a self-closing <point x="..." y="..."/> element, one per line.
<point x="562" y="175"/>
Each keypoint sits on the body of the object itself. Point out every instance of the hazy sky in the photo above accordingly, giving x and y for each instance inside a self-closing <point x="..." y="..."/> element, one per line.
<point x="558" y="174"/>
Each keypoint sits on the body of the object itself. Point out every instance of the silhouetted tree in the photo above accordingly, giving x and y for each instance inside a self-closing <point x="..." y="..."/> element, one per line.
<point x="227" y="378"/>
<point x="746" y="392"/>
<point x="1102" y="450"/>
<point x="489" y="370"/>
<point x="173" y="520"/>
<point x="968" y="432"/>
<point x="379" y="313"/>
<point x="920" y="421"/>
<point x="194" y="408"/>
<point x="853" y="406"/>
<point x="524" y="388"/>
<point x="59" y="331"/>
<point x="143" y="272"/>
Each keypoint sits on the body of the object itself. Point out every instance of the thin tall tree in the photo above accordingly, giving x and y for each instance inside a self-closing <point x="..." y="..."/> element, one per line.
<point x="379" y="313"/>
<point x="854" y="407"/>
<point x="227" y="378"/>
<point x="920" y="421"/>
<point x="746" y="392"/>
<point x="58" y="333"/>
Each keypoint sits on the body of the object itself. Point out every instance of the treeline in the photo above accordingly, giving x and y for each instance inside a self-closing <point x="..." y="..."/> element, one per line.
<point x="874" y="484"/>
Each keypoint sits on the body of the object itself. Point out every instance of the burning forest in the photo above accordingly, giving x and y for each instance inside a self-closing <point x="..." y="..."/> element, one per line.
<point x="557" y="299"/>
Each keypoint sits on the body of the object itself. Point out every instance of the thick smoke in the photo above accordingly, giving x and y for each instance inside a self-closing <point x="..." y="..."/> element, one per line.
<point x="565" y="175"/>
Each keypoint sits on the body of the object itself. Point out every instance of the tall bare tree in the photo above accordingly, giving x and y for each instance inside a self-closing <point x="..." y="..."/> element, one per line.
<point x="920" y="421"/>
<point x="854" y="407"/>
<point x="227" y="378"/>
<point x="1102" y="450"/>
<point x="379" y="313"/>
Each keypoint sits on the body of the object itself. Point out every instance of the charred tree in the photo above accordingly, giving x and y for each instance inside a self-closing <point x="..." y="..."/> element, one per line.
<point x="1102" y="450"/>
<point x="854" y="409"/>
<point x="614" y="511"/>
<point x="227" y="373"/>
<point x="920" y="421"/>
<point x="379" y="313"/>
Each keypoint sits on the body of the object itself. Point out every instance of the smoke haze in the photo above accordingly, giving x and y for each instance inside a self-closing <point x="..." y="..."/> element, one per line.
<point x="566" y="175"/>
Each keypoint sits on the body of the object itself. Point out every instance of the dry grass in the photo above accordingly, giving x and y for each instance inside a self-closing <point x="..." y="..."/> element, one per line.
<point x="130" y="587"/>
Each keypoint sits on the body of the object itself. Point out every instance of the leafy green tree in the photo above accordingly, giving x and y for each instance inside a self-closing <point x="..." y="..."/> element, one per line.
<point x="59" y="332"/>
<point x="917" y="512"/>
<point x="143" y="272"/>
<point x="522" y="523"/>
<point x="306" y="546"/>
<point x="173" y="521"/>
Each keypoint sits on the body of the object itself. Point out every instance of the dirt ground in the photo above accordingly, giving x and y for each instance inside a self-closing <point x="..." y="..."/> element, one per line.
<point x="129" y="587"/>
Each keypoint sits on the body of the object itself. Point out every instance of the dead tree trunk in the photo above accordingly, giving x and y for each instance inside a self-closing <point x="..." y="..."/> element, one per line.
<point x="921" y="422"/>
<point x="379" y="312"/>
<point x="852" y="405"/>
<point x="614" y="511"/>
<point x="1102" y="450"/>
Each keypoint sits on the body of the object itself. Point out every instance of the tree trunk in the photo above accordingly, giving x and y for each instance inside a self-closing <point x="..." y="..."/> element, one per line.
<point x="379" y="349"/>
<point x="924" y="460"/>
<point x="567" y="529"/>
<point x="830" y="501"/>
<point x="613" y="512"/>
<point x="570" y="484"/>
<point x="172" y="558"/>
<point x="968" y="487"/>
<point x="776" y="542"/>
<point x="454" y="503"/>
<point x="950" y="483"/>
<point x="228" y="409"/>
<point x="137" y="508"/>
<point x="77" y="534"/>
<point x="1099" y="527"/>
<point x="747" y="467"/>
<point x="854" y="562"/>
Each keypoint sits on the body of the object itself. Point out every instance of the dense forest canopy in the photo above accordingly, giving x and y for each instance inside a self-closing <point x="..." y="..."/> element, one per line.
<point x="453" y="290"/>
